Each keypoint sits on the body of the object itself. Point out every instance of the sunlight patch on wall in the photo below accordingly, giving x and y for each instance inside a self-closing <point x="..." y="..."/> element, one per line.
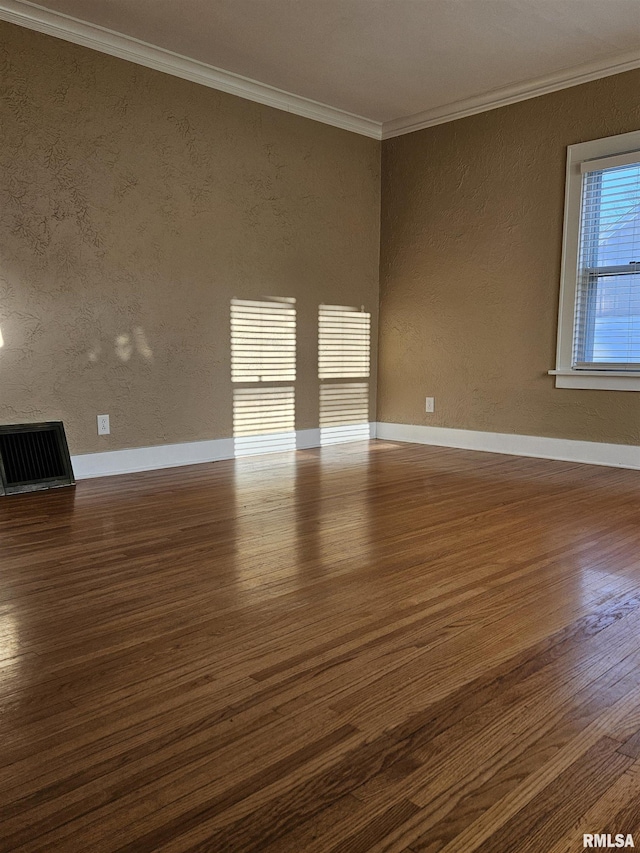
<point x="344" y="342"/>
<point x="125" y="345"/>
<point x="263" y="420"/>
<point x="344" y="412"/>
<point x="142" y="344"/>
<point x="263" y="359"/>
<point x="344" y="353"/>
<point x="1" y="339"/>
<point x="263" y="340"/>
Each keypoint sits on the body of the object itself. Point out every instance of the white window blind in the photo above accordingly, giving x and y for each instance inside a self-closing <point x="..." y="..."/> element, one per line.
<point x="263" y="340"/>
<point x="607" y="317"/>
<point x="344" y="342"/>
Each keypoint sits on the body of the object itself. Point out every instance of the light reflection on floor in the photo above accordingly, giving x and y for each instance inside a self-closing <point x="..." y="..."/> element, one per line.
<point x="290" y="516"/>
<point x="265" y="526"/>
<point x="597" y="584"/>
<point x="10" y="660"/>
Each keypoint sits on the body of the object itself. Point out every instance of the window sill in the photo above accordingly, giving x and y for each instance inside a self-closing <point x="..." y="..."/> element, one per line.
<point x="597" y="380"/>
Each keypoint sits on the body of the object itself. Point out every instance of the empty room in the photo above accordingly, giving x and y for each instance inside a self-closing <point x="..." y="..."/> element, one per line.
<point x="319" y="426"/>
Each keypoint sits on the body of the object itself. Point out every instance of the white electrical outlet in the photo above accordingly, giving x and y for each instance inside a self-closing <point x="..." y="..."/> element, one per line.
<point x="431" y="404"/>
<point x="103" y="425"/>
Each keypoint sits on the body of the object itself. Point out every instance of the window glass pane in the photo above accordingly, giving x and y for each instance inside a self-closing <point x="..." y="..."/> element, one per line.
<point x="616" y="332"/>
<point x="617" y="237"/>
<point x="607" y="330"/>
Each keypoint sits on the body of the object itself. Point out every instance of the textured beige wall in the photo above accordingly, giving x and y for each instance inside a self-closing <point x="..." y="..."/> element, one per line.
<point x="470" y="269"/>
<point x="133" y="207"/>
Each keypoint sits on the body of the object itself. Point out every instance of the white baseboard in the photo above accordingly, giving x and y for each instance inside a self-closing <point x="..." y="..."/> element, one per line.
<point x="131" y="460"/>
<point x="134" y="459"/>
<point x="568" y="450"/>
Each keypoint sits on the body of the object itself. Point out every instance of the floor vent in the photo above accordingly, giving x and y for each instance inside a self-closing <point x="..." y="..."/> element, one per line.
<point x="34" y="456"/>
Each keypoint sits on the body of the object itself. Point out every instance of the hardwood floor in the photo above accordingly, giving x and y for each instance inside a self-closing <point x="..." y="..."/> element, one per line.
<point x="370" y="647"/>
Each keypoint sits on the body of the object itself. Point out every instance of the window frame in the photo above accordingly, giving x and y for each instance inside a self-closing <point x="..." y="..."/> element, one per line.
<point x="567" y="376"/>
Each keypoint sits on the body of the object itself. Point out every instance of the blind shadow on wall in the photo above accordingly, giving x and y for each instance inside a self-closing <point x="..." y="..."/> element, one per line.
<point x="263" y="367"/>
<point x="344" y="356"/>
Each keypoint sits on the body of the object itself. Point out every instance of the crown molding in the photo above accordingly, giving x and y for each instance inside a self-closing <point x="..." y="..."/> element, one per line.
<point x="512" y="94"/>
<point x="98" y="38"/>
<point x="34" y="17"/>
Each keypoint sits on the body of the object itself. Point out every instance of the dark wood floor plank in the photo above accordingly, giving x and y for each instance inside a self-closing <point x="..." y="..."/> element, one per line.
<point x="631" y="746"/>
<point x="265" y="818"/>
<point x="575" y="790"/>
<point x="378" y="829"/>
<point x="507" y="746"/>
<point x="97" y="803"/>
<point x="495" y="786"/>
<point x="476" y="834"/>
<point x="617" y="811"/>
<point x="331" y="824"/>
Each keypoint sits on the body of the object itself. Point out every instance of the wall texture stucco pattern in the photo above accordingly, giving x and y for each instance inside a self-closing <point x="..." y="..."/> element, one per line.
<point x="471" y="242"/>
<point x="133" y="207"/>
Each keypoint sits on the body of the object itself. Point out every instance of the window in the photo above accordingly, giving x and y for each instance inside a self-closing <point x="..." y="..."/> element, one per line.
<point x="599" y="320"/>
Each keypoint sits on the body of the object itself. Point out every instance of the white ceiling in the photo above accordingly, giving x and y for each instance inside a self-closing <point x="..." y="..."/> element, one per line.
<point x="390" y="61"/>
